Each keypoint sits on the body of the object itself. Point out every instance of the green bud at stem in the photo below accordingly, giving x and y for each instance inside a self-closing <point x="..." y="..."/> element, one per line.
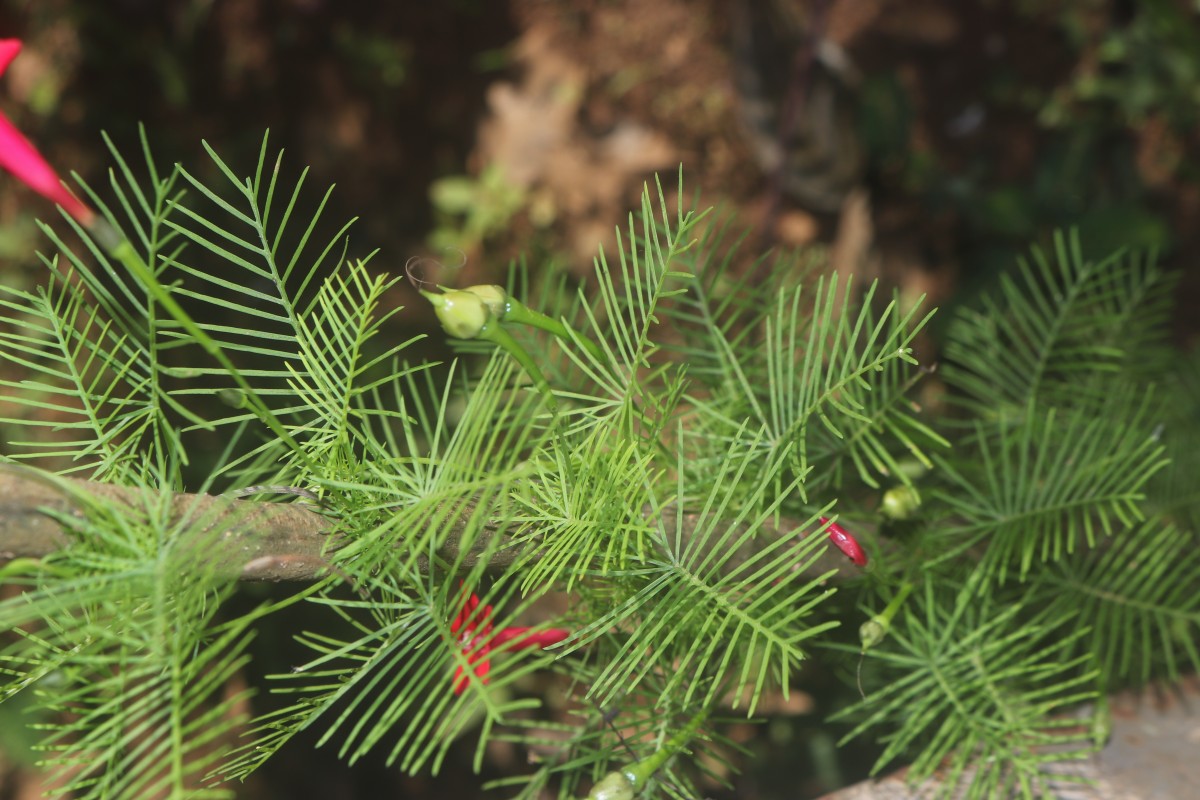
<point x="613" y="786"/>
<point x="466" y="315"/>
<point x="462" y="314"/>
<point x="493" y="296"/>
<point x="874" y="630"/>
<point x="625" y="783"/>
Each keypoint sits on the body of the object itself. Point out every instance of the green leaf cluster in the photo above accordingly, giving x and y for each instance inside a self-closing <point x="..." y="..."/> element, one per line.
<point x="671" y="493"/>
<point x="1055" y="544"/>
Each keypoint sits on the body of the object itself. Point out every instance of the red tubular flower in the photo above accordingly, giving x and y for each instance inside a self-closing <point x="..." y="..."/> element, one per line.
<point x="473" y="626"/>
<point x="543" y="638"/>
<point x="21" y="158"/>
<point x="845" y="542"/>
<point x="474" y="630"/>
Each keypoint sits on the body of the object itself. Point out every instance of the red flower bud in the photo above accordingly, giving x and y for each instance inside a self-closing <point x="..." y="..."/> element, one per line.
<point x="845" y="542"/>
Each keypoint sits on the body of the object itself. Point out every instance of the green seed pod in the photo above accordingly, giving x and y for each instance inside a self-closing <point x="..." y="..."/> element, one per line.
<point x="613" y="786"/>
<point x="493" y="296"/>
<point x="900" y="503"/>
<point x="463" y="315"/>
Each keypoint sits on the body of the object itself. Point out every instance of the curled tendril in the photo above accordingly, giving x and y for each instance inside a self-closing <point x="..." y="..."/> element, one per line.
<point x="413" y="267"/>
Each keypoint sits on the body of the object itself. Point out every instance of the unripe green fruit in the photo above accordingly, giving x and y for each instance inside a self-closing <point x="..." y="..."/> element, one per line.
<point x="900" y="503"/>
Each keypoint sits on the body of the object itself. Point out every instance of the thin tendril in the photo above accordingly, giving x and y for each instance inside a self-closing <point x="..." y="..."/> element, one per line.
<point x="608" y="717"/>
<point x="413" y="267"/>
<point x="410" y="271"/>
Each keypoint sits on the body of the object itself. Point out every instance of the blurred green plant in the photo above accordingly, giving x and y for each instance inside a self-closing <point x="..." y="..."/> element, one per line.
<point x="1148" y="67"/>
<point x="469" y="209"/>
<point x="381" y="62"/>
<point x="1115" y="115"/>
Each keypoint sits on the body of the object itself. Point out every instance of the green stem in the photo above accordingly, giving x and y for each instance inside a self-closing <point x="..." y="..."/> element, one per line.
<point x="495" y="334"/>
<point x="624" y="784"/>
<point x="641" y="771"/>
<point x="518" y="312"/>
<point x="873" y="631"/>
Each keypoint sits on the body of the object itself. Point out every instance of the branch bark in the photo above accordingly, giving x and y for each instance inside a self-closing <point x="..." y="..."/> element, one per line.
<point x="263" y="541"/>
<point x="259" y="541"/>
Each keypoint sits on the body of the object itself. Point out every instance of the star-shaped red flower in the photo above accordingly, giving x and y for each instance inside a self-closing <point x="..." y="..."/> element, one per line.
<point x="21" y="158"/>
<point x="474" y="630"/>
<point x="473" y="627"/>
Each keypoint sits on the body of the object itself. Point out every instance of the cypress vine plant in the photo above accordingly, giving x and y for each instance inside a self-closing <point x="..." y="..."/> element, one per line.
<point x="688" y="454"/>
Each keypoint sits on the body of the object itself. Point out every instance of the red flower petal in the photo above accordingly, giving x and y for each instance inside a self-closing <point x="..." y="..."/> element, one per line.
<point x="8" y="51"/>
<point x="473" y="626"/>
<point x="21" y="158"/>
<point x="525" y="639"/>
<point x="474" y="629"/>
<point x="480" y="668"/>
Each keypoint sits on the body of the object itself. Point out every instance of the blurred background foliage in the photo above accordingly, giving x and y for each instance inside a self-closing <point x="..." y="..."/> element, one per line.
<point x="926" y="142"/>
<point x="527" y="127"/>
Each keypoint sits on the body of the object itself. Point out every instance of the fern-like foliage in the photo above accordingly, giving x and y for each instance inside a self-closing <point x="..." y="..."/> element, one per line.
<point x="389" y="685"/>
<point x="672" y="491"/>
<point x="1136" y="599"/>
<point x="1063" y="330"/>
<point x="1052" y="486"/>
<point x="1174" y="492"/>
<point x="131" y="656"/>
<point x="1047" y="503"/>
<point x="91" y="344"/>
<point x="718" y="606"/>
<point x="974" y="686"/>
<point x="597" y="739"/>
<point x="825" y="383"/>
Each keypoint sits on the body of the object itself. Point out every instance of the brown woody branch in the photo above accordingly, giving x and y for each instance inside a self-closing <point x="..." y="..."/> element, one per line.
<point x="259" y="541"/>
<point x="262" y="541"/>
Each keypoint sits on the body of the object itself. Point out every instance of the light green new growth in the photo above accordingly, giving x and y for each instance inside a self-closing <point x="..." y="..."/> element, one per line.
<point x="205" y="341"/>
